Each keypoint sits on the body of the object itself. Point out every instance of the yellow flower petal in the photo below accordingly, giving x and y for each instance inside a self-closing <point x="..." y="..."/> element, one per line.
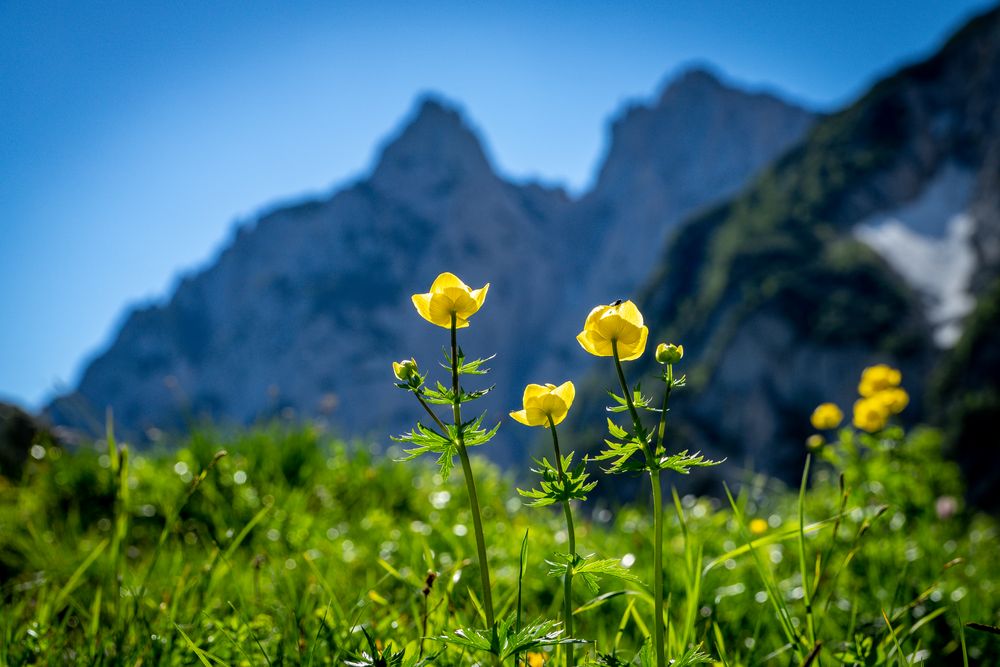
<point x="521" y="416"/>
<point x="567" y="392"/>
<point x="446" y="280"/>
<point x="634" y="350"/>
<point x="628" y="312"/>
<point x="599" y="347"/>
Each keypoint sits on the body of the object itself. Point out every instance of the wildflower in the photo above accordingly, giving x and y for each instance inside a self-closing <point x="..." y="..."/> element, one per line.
<point x="895" y="400"/>
<point x="536" y="659"/>
<point x="618" y="323"/>
<point x="826" y="416"/>
<point x="669" y="354"/>
<point x="878" y="378"/>
<point x="406" y="371"/>
<point x="542" y="402"/>
<point x="450" y="296"/>
<point x="815" y="442"/>
<point x="870" y="414"/>
<point x="758" y="526"/>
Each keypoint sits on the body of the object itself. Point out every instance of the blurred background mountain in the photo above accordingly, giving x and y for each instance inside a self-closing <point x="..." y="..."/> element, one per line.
<point x="785" y="248"/>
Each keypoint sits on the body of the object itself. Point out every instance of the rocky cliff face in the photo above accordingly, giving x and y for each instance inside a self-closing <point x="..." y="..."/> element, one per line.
<point x="784" y="251"/>
<point x="304" y="310"/>
<point x="869" y="241"/>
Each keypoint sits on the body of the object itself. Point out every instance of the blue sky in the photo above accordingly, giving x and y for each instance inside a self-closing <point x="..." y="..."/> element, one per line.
<point x="136" y="134"/>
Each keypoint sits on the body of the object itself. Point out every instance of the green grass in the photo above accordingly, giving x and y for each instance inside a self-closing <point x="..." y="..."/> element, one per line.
<point x="292" y="546"/>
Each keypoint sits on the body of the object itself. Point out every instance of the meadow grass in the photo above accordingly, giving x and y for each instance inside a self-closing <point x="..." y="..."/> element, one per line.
<point x="292" y="546"/>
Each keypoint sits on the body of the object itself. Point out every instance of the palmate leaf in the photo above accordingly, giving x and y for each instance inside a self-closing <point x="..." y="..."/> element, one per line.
<point x="443" y="395"/>
<point x="373" y="657"/>
<point x="552" y="489"/>
<point x="621" y="449"/>
<point x="474" y="367"/>
<point x="505" y="639"/>
<point x="426" y="439"/>
<point x="588" y="569"/>
<point x="682" y="462"/>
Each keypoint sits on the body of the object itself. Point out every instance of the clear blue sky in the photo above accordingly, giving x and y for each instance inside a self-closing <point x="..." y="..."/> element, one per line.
<point x="135" y="133"/>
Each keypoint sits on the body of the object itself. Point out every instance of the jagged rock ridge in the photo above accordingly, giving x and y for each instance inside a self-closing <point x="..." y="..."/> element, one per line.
<point x="306" y="307"/>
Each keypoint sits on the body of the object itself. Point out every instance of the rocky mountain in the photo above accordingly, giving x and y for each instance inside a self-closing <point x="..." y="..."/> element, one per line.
<point x="304" y="310"/>
<point x="870" y="241"/>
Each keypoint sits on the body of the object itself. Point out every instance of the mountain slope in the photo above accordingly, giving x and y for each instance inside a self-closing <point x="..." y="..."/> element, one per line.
<point x="304" y="311"/>
<point x="776" y="296"/>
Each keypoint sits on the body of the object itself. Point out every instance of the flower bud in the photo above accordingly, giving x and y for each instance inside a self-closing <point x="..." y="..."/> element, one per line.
<point x="815" y="442"/>
<point x="406" y="371"/>
<point x="669" y="354"/>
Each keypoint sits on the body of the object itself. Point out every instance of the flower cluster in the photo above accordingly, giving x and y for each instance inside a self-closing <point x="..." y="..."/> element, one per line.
<point x="880" y="397"/>
<point x="615" y="330"/>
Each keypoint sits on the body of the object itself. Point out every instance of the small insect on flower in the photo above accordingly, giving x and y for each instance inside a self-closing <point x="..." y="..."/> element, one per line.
<point x="542" y="402"/>
<point x="669" y="353"/>
<point x="826" y="416"/>
<point x="878" y="378"/>
<point x="870" y="414"/>
<point x="450" y="296"/>
<point x="619" y="323"/>
<point x="758" y="526"/>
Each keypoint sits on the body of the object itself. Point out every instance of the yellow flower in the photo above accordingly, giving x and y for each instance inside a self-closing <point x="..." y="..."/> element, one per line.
<point x="758" y="526"/>
<point x="826" y="416"/>
<point x="535" y="659"/>
<point x="619" y="321"/>
<point x="450" y="296"/>
<point x="870" y="414"/>
<point x="878" y="378"/>
<point x="895" y="400"/>
<point x="544" y="401"/>
<point x="669" y="354"/>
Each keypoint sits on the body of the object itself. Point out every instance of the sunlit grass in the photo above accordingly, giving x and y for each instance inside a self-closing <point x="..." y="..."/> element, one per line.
<point x="291" y="545"/>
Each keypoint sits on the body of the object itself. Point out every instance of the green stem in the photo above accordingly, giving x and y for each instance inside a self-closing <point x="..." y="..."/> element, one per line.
<point x="625" y="390"/>
<point x="654" y="477"/>
<point x="571" y="533"/>
<point x="470" y="482"/>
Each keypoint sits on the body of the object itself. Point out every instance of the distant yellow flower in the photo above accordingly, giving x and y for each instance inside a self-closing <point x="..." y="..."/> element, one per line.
<point x="621" y="322"/>
<point x="450" y="296"/>
<point x="870" y="414"/>
<point x="758" y="526"/>
<point x="826" y="416"/>
<point x="536" y="659"/>
<point x="895" y="400"/>
<point x="544" y="401"/>
<point x="878" y="378"/>
<point x="669" y="354"/>
<point x="815" y="442"/>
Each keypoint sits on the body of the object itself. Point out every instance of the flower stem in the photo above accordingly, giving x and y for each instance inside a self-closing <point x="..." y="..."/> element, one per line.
<point x="625" y="390"/>
<point x="654" y="478"/>
<point x="470" y="482"/>
<point x="571" y="533"/>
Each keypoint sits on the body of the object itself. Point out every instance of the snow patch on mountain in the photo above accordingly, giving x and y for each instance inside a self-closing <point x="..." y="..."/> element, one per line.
<point x="928" y="241"/>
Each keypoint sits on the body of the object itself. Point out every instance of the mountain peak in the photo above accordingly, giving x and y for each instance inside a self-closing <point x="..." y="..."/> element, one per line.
<point x="435" y="147"/>
<point x="698" y="79"/>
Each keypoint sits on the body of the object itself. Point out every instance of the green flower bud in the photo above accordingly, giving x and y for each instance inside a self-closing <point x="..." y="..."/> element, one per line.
<point x="407" y="372"/>
<point x="815" y="442"/>
<point x="669" y="354"/>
